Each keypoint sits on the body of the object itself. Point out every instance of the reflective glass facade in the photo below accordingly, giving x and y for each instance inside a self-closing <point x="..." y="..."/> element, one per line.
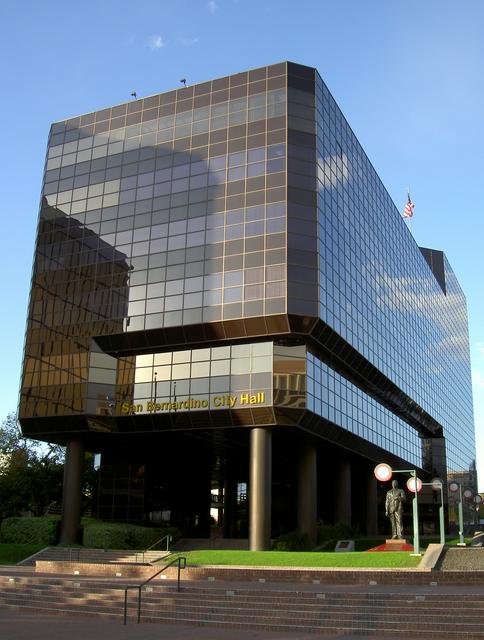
<point x="225" y="256"/>
<point x="377" y="292"/>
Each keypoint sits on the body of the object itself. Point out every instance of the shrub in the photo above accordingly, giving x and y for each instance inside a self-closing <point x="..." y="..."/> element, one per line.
<point x="118" y="535"/>
<point x="363" y="544"/>
<point x="293" y="541"/>
<point x="333" y="532"/>
<point x="43" y="530"/>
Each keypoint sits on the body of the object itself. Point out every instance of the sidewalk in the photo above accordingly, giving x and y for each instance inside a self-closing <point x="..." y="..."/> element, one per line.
<point x="22" y="627"/>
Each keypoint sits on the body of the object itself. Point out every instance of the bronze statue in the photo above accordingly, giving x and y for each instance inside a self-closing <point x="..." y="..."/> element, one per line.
<point x="394" y="509"/>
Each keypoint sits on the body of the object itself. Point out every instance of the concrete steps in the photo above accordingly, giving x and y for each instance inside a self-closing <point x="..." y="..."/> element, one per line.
<point x="94" y="556"/>
<point x="319" y="609"/>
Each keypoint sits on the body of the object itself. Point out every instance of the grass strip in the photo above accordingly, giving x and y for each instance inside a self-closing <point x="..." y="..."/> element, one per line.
<point x="384" y="559"/>
<point x="11" y="553"/>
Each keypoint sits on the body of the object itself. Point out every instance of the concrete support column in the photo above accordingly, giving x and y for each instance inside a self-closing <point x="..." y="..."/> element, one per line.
<point x="343" y="493"/>
<point x="72" y="493"/>
<point x="307" y="492"/>
<point x="260" y="498"/>
<point x="371" y="505"/>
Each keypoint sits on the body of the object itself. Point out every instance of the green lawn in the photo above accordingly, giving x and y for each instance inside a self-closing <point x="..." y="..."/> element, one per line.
<point x="13" y="553"/>
<point x="382" y="559"/>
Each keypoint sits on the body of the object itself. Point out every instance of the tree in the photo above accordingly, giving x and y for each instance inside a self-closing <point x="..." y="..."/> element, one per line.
<point x="31" y="473"/>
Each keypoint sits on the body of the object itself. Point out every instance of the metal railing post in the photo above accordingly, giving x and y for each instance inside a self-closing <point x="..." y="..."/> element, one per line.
<point x="179" y="561"/>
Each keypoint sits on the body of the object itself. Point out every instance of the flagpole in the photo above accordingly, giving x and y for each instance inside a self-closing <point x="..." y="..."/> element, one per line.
<point x="408" y="210"/>
<point x="410" y="219"/>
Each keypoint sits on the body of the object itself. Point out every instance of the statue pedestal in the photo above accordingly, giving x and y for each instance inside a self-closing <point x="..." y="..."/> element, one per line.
<point x="400" y="544"/>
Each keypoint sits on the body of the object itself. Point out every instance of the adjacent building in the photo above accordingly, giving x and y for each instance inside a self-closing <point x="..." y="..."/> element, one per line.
<point x="228" y="307"/>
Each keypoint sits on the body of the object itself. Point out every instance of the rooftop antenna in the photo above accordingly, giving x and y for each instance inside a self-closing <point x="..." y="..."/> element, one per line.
<point x="184" y="82"/>
<point x="133" y="94"/>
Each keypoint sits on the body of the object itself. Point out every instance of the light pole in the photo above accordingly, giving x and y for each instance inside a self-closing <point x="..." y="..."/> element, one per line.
<point x="383" y="472"/>
<point x="436" y="485"/>
<point x="477" y="502"/>
<point x="455" y="487"/>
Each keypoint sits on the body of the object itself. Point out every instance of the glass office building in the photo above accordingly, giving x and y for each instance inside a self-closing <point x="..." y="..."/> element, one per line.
<point x="229" y="308"/>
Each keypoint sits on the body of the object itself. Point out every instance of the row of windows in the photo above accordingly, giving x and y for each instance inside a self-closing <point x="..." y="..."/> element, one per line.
<point x="202" y="120"/>
<point x="132" y="138"/>
<point x="376" y="306"/>
<point x="207" y="299"/>
<point x="207" y="283"/>
<point x="204" y="374"/>
<point x="214" y="313"/>
<point x="179" y="166"/>
<point x="240" y="366"/>
<point x="376" y="290"/>
<point x="337" y="400"/>
<point x="203" y="146"/>
<point x="84" y="186"/>
<point x="87" y="198"/>
<point x="185" y="98"/>
<point x="102" y="320"/>
<point x="208" y="230"/>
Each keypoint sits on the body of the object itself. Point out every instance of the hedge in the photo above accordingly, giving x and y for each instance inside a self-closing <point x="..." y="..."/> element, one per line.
<point x="43" y="530"/>
<point x="293" y="541"/>
<point x="114" y="535"/>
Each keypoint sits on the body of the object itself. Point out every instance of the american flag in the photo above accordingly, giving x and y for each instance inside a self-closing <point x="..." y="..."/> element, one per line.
<point x="408" y="211"/>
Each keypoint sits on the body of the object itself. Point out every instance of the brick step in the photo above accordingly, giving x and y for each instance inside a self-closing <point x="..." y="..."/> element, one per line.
<point x="361" y="577"/>
<point x="318" y="612"/>
<point x="175" y="602"/>
<point x="417" y="599"/>
<point x="355" y="621"/>
<point x="168" y="599"/>
<point x="260" y="596"/>
<point x="366" y="624"/>
<point x="247" y="595"/>
<point x="65" y="611"/>
<point x="263" y="608"/>
<point x="366" y="620"/>
<point x="85" y="608"/>
<point x="394" y="629"/>
<point x="101" y="556"/>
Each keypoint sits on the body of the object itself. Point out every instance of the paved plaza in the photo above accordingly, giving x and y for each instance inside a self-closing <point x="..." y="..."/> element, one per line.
<point x="24" y="627"/>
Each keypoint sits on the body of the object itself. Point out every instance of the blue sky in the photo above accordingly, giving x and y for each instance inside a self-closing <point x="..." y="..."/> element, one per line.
<point x="407" y="75"/>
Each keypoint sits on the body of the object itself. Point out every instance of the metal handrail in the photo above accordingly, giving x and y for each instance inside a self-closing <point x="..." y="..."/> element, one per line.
<point x="71" y="553"/>
<point x="182" y="563"/>
<point x="168" y="538"/>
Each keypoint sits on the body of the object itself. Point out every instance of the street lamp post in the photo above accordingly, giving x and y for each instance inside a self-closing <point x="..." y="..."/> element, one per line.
<point x="455" y="487"/>
<point x="383" y="472"/>
<point x="477" y="502"/>
<point x="436" y="485"/>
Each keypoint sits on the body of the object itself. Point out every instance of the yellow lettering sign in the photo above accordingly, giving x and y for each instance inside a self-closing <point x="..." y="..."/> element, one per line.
<point x="217" y="402"/>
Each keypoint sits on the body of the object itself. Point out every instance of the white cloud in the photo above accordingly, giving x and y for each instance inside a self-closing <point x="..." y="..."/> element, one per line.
<point x="480" y="347"/>
<point x="212" y="6"/>
<point x="478" y="379"/>
<point x="189" y="42"/>
<point x="155" y="42"/>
